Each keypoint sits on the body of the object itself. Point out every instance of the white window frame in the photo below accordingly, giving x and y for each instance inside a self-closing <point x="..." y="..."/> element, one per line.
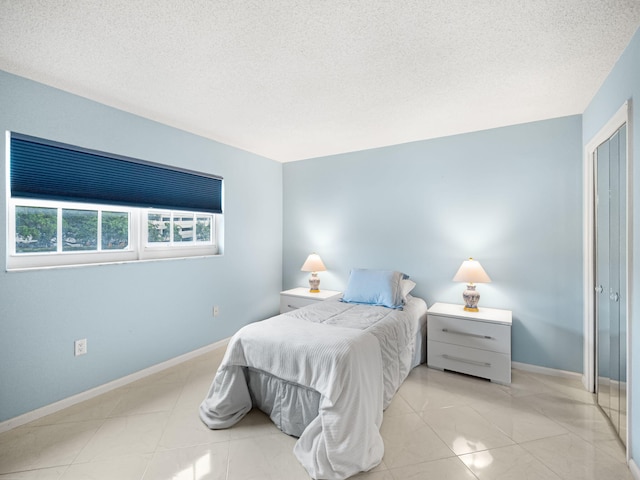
<point x="139" y="249"/>
<point x="177" y="249"/>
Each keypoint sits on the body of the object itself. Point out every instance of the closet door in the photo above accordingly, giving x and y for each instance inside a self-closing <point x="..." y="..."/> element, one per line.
<point x="614" y="280"/>
<point x="602" y="279"/>
<point x="611" y="279"/>
<point x="621" y="310"/>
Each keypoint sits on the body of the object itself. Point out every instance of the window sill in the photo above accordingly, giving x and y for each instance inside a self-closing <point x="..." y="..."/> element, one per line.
<point x="103" y="264"/>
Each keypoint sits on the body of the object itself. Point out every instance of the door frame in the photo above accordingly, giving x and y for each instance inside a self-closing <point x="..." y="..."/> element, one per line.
<point x="621" y="117"/>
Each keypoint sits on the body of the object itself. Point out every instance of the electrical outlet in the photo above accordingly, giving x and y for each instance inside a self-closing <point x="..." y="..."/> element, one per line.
<point x="80" y="346"/>
<point x="216" y="311"/>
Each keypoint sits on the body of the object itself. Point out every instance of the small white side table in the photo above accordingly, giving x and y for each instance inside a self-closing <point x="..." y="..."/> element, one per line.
<point x="475" y="343"/>
<point x="301" y="297"/>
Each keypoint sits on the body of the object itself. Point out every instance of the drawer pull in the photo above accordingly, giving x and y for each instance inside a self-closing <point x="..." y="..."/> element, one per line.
<point x="464" y="360"/>
<point x="446" y="330"/>
<point x="293" y="307"/>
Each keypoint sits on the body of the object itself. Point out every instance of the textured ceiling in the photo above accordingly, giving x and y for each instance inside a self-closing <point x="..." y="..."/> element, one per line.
<point x="298" y="79"/>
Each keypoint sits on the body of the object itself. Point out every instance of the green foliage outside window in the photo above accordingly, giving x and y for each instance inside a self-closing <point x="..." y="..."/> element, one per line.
<point x="203" y="229"/>
<point x="158" y="228"/>
<point x="115" y="230"/>
<point x="36" y="229"/>
<point x="79" y="230"/>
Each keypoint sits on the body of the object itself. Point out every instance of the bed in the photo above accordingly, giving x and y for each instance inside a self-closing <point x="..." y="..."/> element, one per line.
<point x="325" y="373"/>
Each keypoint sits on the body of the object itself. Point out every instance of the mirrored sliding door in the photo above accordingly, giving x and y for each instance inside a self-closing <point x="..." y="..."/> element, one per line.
<point x="610" y="263"/>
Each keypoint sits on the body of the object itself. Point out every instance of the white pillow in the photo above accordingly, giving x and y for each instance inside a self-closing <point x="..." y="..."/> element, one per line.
<point x="406" y="286"/>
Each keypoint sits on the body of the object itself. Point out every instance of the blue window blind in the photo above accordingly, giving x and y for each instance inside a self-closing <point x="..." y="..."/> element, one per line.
<point x="54" y="171"/>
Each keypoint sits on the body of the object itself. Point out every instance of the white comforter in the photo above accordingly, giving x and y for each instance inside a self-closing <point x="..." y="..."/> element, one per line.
<point x="343" y="363"/>
<point x="396" y="331"/>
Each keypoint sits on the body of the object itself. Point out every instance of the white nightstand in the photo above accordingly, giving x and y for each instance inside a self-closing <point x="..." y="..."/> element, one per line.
<point x="475" y="343"/>
<point x="301" y="297"/>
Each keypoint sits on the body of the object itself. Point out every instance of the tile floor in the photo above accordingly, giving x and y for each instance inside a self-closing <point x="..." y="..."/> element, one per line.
<point x="440" y="426"/>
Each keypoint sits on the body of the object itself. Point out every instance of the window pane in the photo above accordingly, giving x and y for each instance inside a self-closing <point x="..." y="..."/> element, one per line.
<point x="203" y="228"/>
<point x="36" y="229"/>
<point x="183" y="228"/>
<point x="159" y="227"/>
<point x="115" y="230"/>
<point x="79" y="230"/>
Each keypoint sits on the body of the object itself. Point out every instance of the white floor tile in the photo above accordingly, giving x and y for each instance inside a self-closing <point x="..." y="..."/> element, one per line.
<point x="34" y="447"/>
<point x="267" y="457"/>
<point x="53" y="473"/>
<point x="525" y="383"/>
<point x="538" y="427"/>
<point x="581" y="417"/>
<point x="519" y="421"/>
<point x="445" y="469"/>
<point x="148" y="398"/>
<point x="185" y="429"/>
<point x="128" y="467"/>
<point x="202" y="462"/>
<point x="507" y="463"/>
<point x="194" y="392"/>
<point x="571" y="457"/>
<point x="464" y="430"/>
<point x="384" y="475"/>
<point x="398" y="406"/>
<point x="409" y="440"/>
<point x="135" y="434"/>
<point x="422" y="394"/>
<point x="97" y="408"/>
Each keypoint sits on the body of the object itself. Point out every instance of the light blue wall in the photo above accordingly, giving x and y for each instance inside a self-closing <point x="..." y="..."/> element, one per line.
<point x="133" y="315"/>
<point x="623" y="83"/>
<point x="509" y="197"/>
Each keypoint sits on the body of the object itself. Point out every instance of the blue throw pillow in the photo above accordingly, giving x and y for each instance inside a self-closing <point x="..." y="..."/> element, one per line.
<point x="375" y="287"/>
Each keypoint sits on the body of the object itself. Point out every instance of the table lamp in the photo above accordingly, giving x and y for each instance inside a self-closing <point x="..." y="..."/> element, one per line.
<point x="314" y="265"/>
<point x="471" y="272"/>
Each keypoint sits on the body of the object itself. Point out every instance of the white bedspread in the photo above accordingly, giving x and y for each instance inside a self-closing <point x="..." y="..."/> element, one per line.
<point x="343" y="364"/>
<point x="355" y="356"/>
<point x="396" y="330"/>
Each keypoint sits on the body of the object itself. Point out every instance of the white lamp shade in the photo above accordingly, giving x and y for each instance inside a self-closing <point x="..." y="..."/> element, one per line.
<point x="313" y="264"/>
<point x="471" y="272"/>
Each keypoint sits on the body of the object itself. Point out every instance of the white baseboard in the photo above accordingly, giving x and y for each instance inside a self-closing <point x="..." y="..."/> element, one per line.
<point x="526" y="367"/>
<point x="635" y="471"/>
<point x="99" y="390"/>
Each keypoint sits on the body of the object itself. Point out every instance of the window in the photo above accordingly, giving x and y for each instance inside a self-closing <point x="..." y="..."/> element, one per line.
<point x="170" y="228"/>
<point x="40" y="229"/>
<point x="178" y="233"/>
<point x="86" y="216"/>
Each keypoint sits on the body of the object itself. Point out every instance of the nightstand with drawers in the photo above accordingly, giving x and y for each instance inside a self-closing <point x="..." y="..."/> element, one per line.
<point x="475" y="343"/>
<point x="301" y="297"/>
